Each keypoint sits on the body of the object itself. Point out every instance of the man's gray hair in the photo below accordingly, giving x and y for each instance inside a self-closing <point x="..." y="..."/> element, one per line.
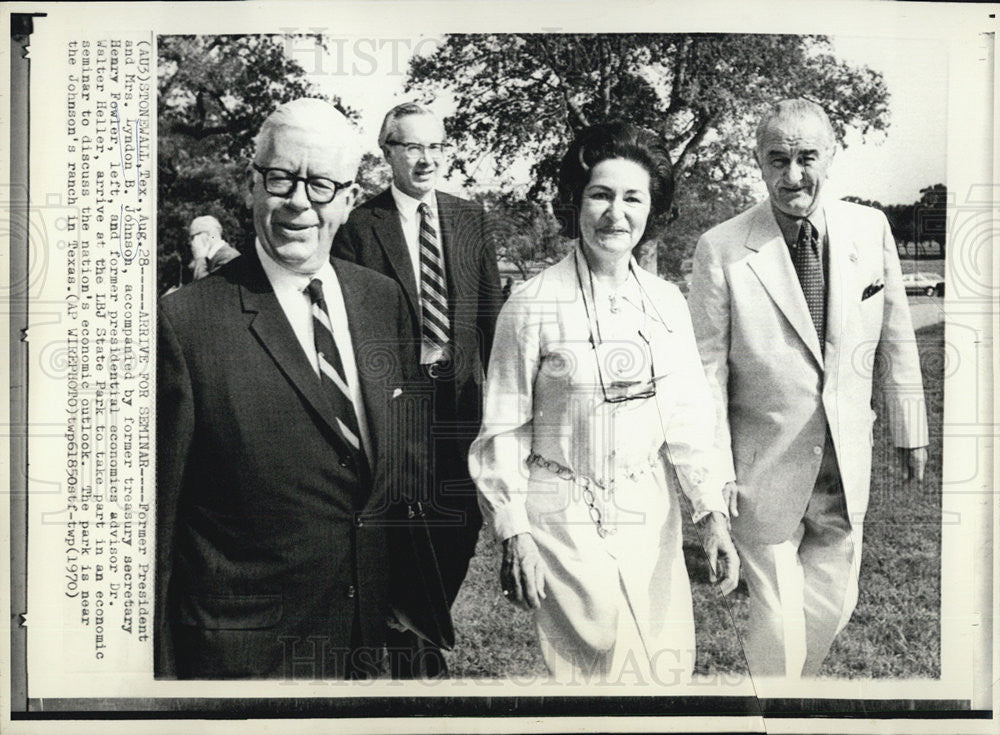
<point x="792" y="109"/>
<point x="312" y="114"/>
<point x="205" y="223"/>
<point x="399" y="111"/>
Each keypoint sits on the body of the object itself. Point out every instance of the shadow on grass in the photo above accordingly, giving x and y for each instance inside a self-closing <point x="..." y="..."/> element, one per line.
<point x="895" y="631"/>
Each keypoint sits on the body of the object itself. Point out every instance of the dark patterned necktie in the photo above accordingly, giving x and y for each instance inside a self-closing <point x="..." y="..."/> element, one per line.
<point x="435" y="324"/>
<point x="331" y="368"/>
<point x="809" y="269"/>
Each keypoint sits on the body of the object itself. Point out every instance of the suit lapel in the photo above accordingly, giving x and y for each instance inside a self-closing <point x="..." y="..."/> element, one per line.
<point x="842" y="290"/>
<point x="368" y="341"/>
<point x="267" y="321"/>
<point x="773" y="266"/>
<point x="389" y="234"/>
<point x="448" y="215"/>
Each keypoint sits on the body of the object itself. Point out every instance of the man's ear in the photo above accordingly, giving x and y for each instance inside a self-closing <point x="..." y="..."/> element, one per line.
<point x="351" y="196"/>
<point x="248" y="192"/>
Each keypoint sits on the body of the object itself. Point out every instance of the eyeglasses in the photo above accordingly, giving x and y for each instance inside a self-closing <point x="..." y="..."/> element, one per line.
<point x="418" y="150"/>
<point x="281" y="183"/>
<point x="609" y="354"/>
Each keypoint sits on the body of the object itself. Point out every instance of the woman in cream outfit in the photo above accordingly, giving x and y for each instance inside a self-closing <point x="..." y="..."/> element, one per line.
<point x="596" y="406"/>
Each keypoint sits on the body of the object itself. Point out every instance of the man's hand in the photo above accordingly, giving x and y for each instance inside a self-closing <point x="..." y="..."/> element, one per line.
<point x="730" y="493"/>
<point x="723" y="561"/>
<point x="914" y="460"/>
<point x="522" y="572"/>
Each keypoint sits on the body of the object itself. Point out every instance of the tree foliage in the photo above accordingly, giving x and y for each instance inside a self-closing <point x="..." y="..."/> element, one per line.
<point x="521" y="97"/>
<point x="214" y="92"/>
<point x="914" y="226"/>
<point x="930" y="222"/>
<point x="524" y="234"/>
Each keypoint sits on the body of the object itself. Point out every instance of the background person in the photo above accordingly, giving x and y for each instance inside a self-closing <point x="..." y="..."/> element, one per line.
<point x="595" y="399"/>
<point x="435" y="246"/>
<point x="209" y="251"/>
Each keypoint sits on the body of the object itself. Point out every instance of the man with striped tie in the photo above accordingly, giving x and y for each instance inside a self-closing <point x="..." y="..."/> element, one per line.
<point x="796" y="302"/>
<point x="280" y="447"/>
<point x="435" y="246"/>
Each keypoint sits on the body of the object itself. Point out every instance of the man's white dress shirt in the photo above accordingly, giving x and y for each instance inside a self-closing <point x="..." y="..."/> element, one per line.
<point x="409" y="218"/>
<point x="290" y="288"/>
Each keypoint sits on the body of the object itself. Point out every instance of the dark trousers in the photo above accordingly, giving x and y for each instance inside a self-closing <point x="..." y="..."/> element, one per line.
<point x="453" y="518"/>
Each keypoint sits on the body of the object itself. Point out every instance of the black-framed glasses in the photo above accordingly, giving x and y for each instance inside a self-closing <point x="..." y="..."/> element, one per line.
<point x="281" y="183"/>
<point x="418" y="150"/>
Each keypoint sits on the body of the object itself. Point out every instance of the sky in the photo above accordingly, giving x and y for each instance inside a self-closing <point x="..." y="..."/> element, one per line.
<point x="913" y="154"/>
<point x="368" y="75"/>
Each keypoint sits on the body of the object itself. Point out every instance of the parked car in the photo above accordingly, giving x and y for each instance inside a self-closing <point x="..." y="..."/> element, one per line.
<point x="929" y="284"/>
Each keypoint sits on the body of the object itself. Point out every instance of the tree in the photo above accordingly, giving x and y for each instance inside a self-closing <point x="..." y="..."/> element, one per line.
<point x="873" y="203"/>
<point x="214" y="92"/>
<point x="701" y="202"/>
<point x="918" y="223"/>
<point x="523" y="96"/>
<point x="524" y="234"/>
<point x="930" y="217"/>
<point x="901" y="220"/>
<point x="374" y="176"/>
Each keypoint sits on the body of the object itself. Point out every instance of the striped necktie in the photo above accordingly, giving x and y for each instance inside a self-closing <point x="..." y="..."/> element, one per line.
<point x="331" y="368"/>
<point x="809" y="269"/>
<point x="435" y="325"/>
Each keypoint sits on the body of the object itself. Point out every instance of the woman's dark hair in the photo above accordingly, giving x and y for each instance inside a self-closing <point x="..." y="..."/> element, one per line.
<point x="616" y="139"/>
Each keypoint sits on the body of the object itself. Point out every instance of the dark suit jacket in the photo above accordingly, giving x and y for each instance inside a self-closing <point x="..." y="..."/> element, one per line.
<point x="268" y="530"/>
<point x="373" y="237"/>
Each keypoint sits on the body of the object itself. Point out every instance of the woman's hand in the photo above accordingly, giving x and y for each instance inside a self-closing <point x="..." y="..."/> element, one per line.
<point x="522" y="573"/>
<point x="723" y="561"/>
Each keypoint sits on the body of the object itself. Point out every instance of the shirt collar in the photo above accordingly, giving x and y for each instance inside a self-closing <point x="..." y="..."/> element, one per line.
<point x="407" y="205"/>
<point x="283" y="279"/>
<point x="789" y="225"/>
<point x="631" y="291"/>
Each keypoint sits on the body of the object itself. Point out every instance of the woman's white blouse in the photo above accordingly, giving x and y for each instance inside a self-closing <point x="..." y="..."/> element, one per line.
<point x="544" y="395"/>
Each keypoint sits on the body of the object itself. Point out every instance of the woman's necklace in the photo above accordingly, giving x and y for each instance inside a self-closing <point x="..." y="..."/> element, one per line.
<point x="615" y="293"/>
<point x="613" y="299"/>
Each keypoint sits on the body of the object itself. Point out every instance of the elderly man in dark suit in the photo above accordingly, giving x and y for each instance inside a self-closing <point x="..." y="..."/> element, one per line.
<point x="435" y="246"/>
<point x="278" y="447"/>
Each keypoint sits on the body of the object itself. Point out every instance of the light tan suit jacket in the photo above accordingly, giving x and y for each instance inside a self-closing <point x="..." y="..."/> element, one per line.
<point x="775" y="387"/>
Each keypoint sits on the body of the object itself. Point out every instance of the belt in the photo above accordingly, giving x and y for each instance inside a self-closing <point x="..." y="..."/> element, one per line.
<point x="585" y="484"/>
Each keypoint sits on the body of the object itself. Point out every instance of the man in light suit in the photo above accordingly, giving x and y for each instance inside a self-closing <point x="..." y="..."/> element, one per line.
<point x="435" y="246"/>
<point x="795" y="303"/>
<point x="278" y="450"/>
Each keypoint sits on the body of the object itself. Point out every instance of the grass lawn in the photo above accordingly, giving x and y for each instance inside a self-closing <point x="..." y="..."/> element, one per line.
<point x="895" y="631"/>
<point x="923" y="265"/>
